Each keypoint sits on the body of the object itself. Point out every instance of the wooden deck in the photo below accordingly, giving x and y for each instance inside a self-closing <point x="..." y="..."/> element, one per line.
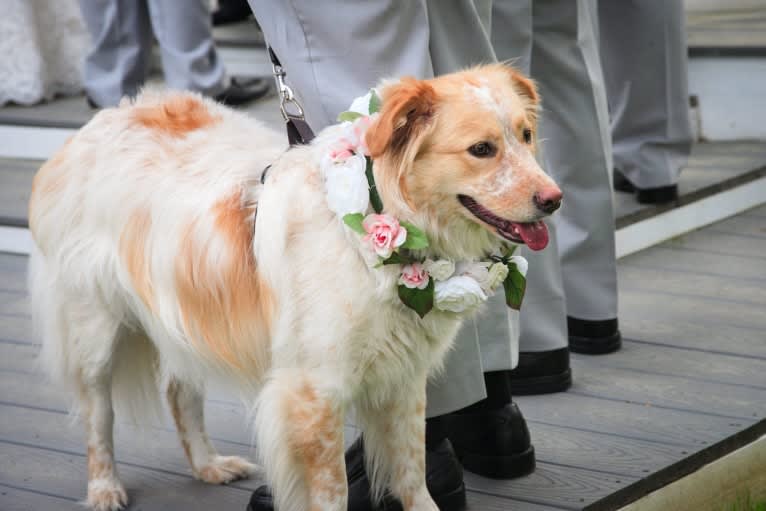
<point x="687" y="387"/>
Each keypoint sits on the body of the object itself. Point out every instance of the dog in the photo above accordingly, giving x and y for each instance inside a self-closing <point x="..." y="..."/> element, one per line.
<point x="161" y="260"/>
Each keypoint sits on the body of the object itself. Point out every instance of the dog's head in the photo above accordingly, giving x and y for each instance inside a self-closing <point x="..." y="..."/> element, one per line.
<point x="458" y="151"/>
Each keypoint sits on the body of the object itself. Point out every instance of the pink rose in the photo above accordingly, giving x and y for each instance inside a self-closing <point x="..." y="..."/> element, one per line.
<point x="414" y="276"/>
<point x="384" y="234"/>
<point x="342" y="150"/>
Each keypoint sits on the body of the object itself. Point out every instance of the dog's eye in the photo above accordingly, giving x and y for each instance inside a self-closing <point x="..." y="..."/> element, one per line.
<point x="482" y="150"/>
<point x="527" y="135"/>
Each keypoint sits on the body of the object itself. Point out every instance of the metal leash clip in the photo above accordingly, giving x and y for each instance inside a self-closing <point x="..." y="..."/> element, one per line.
<point x="288" y="105"/>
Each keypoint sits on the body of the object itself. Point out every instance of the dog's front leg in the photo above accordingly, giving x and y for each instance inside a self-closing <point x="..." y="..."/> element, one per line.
<point x="299" y="434"/>
<point x="394" y="441"/>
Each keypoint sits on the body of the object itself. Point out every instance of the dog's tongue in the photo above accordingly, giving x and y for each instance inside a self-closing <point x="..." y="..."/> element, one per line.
<point x="534" y="234"/>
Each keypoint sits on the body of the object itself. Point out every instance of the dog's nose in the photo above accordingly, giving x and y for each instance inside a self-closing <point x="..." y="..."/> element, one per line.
<point x="548" y="200"/>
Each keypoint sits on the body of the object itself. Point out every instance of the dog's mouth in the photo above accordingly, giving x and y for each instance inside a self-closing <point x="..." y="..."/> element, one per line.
<point x="533" y="234"/>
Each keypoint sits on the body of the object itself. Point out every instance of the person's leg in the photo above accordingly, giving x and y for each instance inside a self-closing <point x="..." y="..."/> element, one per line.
<point x="336" y="51"/>
<point x="184" y="33"/>
<point x="117" y="63"/>
<point x="565" y="63"/>
<point x="481" y="445"/>
<point x="651" y="131"/>
<point x="543" y="364"/>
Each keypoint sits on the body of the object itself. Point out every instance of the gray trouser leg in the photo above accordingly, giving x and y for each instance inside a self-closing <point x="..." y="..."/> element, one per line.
<point x="118" y="61"/>
<point x="335" y="51"/>
<point x="577" y="151"/>
<point x="496" y="329"/>
<point x="644" y="56"/>
<point x="328" y="66"/>
<point x="543" y="314"/>
<point x="184" y="32"/>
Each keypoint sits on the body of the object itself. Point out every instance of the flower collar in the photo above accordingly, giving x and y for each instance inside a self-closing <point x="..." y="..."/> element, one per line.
<point x="423" y="283"/>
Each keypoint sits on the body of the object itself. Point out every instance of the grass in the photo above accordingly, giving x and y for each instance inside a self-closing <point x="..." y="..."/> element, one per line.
<point x="745" y="503"/>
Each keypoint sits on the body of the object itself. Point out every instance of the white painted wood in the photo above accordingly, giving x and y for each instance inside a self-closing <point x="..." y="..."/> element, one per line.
<point x="732" y="97"/>
<point x="714" y="486"/>
<point x="31" y="142"/>
<point x="721" y="5"/>
<point x="678" y="221"/>
<point x="15" y="240"/>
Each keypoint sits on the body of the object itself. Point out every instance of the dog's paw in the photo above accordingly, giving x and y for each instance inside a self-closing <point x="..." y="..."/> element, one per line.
<point x="224" y="469"/>
<point x="106" y="495"/>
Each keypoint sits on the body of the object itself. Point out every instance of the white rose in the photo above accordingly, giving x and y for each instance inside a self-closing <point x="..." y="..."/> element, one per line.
<point x="441" y="269"/>
<point x="458" y="294"/>
<point x="362" y="104"/>
<point x="479" y="271"/>
<point x="346" y="184"/>
<point x="487" y="274"/>
<point x="521" y="264"/>
<point x="495" y="276"/>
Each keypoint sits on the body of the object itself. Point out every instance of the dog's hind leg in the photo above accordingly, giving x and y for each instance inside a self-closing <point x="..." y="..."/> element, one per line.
<point x="299" y="433"/>
<point x="187" y="405"/>
<point x="105" y="492"/>
<point x="91" y="339"/>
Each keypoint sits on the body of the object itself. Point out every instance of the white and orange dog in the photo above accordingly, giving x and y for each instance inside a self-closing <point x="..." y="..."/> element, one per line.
<point x="162" y="261"/>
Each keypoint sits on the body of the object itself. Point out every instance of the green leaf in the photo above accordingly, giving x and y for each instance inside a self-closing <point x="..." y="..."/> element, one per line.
<point x="419" y="300"/>
<point x="354" y="220"/>
<point x="515" y="284"/>
<point x="416" y="239"/>
<point x="349" y="116"/>
<point x="396" y="258"/>
<point x="374" y="102"/>
<point x="377" y="204"/>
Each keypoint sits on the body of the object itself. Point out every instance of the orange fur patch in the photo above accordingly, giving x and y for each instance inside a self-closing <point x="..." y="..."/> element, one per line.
<point x="226" y="306"/>
<point x="133" y="253"/>
<point x="316" y="440"/>
<point x="99" y="464"/>
<point x="407" y="105"/>
<point x="176" y="116"/>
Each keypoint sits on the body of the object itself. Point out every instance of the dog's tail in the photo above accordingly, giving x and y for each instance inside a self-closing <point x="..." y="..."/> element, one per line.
<point x="136" y="380"/>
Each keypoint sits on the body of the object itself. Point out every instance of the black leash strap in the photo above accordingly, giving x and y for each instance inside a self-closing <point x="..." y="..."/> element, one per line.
<point x="298" y="130"/>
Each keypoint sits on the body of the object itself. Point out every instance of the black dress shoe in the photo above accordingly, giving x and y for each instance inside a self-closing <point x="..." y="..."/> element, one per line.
<point x="231" y="11"/>
<point x="593" y="337"/>
<point x="541" y="372"/>
<point x="656" y="195"/>
<point x="493" y="443"/>
<point x="243" y="90"/>
<point x="444" y="479"/>
<point x="490" y="437"/>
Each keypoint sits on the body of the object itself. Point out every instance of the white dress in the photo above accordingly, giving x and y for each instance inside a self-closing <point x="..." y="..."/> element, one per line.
<point x="42" y="49"/>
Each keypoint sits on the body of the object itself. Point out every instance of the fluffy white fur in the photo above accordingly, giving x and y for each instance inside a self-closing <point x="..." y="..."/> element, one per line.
<point x="146" y="277"/>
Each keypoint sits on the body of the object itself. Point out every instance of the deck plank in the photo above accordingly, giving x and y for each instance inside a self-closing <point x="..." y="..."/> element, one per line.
<point x="32" y="499"/>
<point x="718" y="368"/>
<point x="629" y="420"/>
<point x="64" y="473"/>
<point x="16" y="176"/>
<point x="561" y="486"/>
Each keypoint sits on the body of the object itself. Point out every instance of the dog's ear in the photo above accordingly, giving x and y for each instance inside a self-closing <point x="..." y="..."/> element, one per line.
<point x="527" y="89"/>
<point x="394" y="139"/>
<point x="408" y="107"/>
